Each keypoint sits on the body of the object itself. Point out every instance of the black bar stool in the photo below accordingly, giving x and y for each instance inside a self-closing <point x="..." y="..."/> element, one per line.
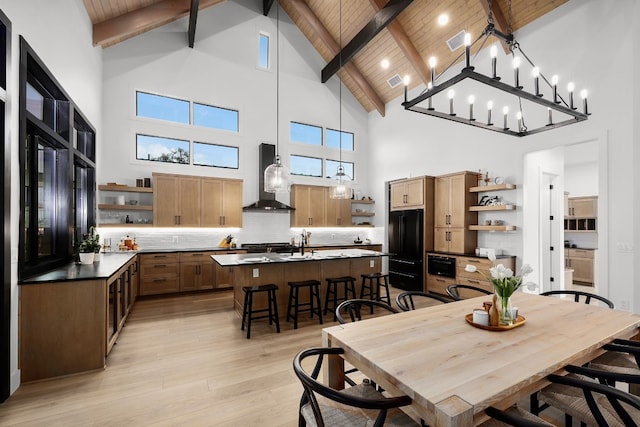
<point x="367" y="287"/>
<point x="349" y="287"/>
<point x="249" y="314"/>
<point x="295" y="304"/>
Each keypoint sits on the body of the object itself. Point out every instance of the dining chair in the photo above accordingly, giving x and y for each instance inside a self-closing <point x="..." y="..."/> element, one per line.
<point x="321" y="405"/>
<point x="513" y="416"/>
<point x="454" y="291"/>
<point x="590" y="396"/>
<point x="353" y="307"/>
<point x="578" y="296"/>
<point x="622" y="356"/>
<point x="406" y="300"/>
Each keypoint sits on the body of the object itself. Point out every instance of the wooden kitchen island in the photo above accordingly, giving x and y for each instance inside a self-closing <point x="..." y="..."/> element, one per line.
<point x="279" y="269"/>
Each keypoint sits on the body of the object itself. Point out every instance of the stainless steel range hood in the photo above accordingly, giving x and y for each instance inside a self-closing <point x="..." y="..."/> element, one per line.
<point x="266" y="201"/>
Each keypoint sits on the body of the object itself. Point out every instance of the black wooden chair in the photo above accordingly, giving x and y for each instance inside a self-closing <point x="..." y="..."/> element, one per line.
<point x="454" y="291"/>
<point x="589" y="395"/>
<point x="513" y="416"/>
<point x="579" y="296"/>
<point x="362" y="404"/>
<point x="407" y="300"/>
<point x="621" y="356"/>
<point x="353" y="307"/>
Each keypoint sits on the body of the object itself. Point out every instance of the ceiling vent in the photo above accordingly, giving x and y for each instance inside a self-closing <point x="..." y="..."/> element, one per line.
<point x="456" y="41"/>
<point x="394" y="81"/>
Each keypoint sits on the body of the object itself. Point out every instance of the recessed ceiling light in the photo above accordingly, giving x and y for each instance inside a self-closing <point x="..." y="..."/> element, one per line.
<point x="443" y="19"/>
<point x="384" y="63"/>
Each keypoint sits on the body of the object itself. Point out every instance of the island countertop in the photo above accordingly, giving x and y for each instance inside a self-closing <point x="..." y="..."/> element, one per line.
<point x="268" y="258"/>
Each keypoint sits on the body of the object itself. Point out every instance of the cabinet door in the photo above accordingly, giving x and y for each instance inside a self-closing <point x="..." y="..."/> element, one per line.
<point x="441" y="203"/>
<point x="457" y="201"/>
<point x="165" y="201"/>
<point x="189" y="279"/>
<point x="300" y="217"/>
<point x="207" y="275"/>
<point x="582" y="269"/>
<point x="398" y="191"/>
<point x="584" y="207"/>
<point x="232" y="203"/>
<point x="189" y="193"/>
<point x="457" y="241"/>
<point x="211" y="203"/>
<point x="317" y="197"/>
<point x="441" y="239"/>
<point x="338" y="212"/>
<point x="415" y="193"/>
<point x="438" y="284"/>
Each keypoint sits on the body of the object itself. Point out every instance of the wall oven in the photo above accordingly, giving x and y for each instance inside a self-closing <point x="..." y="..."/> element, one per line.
<point x="441" y="265"/>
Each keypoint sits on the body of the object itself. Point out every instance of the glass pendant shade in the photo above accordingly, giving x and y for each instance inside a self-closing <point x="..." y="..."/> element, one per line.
<point x="341" y="187"/>
<point x="277" y="178"/>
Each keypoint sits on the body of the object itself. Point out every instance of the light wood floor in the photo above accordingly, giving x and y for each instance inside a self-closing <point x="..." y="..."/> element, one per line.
<point x="179" y="361"/>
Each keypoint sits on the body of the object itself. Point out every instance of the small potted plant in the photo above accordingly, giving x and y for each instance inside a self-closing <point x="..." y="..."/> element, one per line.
<point x="89" y="246"/>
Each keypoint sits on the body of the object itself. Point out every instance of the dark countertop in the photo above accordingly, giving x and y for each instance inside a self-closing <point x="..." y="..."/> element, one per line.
<point x="469" y="255"/>
<point x="267" y="258"/>
<point x="201" y="249"/>
<point x="108" y="265"/>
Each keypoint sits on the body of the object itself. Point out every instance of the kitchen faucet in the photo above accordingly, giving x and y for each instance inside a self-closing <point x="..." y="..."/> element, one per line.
<point x="303" y="241"/>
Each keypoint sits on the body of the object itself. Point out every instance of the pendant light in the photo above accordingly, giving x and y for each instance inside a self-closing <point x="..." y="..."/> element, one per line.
<point x="341" y="187"/>
<point x="277" y="178"/>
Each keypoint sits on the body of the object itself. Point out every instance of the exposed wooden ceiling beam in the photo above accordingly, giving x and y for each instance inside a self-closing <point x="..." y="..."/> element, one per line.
<point x="266" y="7"/>
<point x="323" y="35"/>
<point x="131" y="24"/>
<point x="193" y="17"/>
<point x="378" y="23"/>
<point x="499" y="20"/>
<point x="405" y="44"/>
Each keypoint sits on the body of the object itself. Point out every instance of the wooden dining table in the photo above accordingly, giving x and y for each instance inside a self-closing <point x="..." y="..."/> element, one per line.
<point x="453" y="370"/>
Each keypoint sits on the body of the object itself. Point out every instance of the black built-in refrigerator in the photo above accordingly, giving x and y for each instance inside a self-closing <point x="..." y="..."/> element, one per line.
<point x="406" y="248"/>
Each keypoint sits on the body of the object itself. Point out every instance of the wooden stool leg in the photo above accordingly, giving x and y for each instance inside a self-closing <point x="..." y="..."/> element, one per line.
<point x="275" y="310"/>
<point x="316" y="292"/>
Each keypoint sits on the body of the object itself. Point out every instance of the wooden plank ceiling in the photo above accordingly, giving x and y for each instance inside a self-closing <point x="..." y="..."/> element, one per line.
<point x="407" y="42"/>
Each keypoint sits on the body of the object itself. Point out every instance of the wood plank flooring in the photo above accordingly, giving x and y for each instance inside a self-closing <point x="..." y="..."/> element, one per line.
<point x="180" y="360"/>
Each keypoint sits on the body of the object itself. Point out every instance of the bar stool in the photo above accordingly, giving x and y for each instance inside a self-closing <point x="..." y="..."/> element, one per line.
<point x="367" y="287"/>
<point x="349" y="285"/>
<point x="295" y="304"/>
<point x="249" y="314"/>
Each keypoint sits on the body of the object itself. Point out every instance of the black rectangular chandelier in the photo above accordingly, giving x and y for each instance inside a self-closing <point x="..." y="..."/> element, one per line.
<point x="570" y="113"/>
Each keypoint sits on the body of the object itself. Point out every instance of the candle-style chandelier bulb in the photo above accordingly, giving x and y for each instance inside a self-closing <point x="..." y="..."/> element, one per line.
<point x="535" y="72"/>
<point x="406" y="81"/>
<point x="505" y="113"/>
<point x="493" y="52"/>
<point x="467" y="49"/>
<point x="554" y="82"/>
<point x="583" y="95"/>
<point x="489" y="108"/>
<point x="471" y="100"/>
<point x="571" y="87"/>
<point x="451" y="94"/>
<point x="516" y="72"/>
<point x="432" y="65"/>
<point x="519" y="119"/>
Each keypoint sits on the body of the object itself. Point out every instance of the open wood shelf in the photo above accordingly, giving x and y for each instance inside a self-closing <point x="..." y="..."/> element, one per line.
<point x="494" y="187"/>
<point x="125" y="188"/>
<point x="362" y="202"/>
<point x="492" y="227"/>
<point x="362" y="225"/>
<point x="125" y="207"/>
<point x="491" y="208"/>
<point x="363" y="214"/>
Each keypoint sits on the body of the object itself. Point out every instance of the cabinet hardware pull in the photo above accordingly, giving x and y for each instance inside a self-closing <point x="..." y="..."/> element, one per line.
<point x="473" y="281"/>
<point x="474" y="260"/>
<point x="160" y="280"/>
<point x="159" y="256"/>
<point x="160" y="265"/>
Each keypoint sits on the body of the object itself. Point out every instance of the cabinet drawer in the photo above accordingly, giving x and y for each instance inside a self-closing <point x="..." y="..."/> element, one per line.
<point x="482" y="264"/>
<point x="159" y="285"/>
<point x="438" y="284"/>
<point x="483" y="284"/>
<point x="160" y="258"/>
<point x="159" y="270"/>
<point x="196" y="256"/>
<point x="581" y="253"/>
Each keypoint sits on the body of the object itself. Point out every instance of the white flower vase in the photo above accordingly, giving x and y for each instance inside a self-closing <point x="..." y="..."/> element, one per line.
<point x="86" y="258"/>
<point x="506" y="311"/>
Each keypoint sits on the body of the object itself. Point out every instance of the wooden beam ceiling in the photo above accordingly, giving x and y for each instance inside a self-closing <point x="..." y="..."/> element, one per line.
<point x="193" y="17"/>
<point x="380" y="21"/>
<point x="138" y="21"/>
<point x="323" y="34"/>
<point x="499" y="20"/>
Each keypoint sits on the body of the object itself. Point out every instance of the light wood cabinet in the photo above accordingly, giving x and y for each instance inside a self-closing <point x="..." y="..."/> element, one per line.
<point x="438" y="284"/>
<point x="197" y="271"/>
<point x="581" y="207"/>
<point x="309" y="202"/>
<point x="159" y="273"/>
<point x="452" y="217"/>
<point x="338" y="212"/>
<point x="407" y="194"/>
<point x="221" y="203"/>
<point x="582" y="261"/>
<point x="193" y="201"/>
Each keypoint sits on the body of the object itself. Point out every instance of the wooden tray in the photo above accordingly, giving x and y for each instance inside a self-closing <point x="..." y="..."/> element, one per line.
<point x="520" y="320"/>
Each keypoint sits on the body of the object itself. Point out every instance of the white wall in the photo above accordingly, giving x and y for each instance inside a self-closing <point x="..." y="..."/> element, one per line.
<point x="221" y="70"/>
<point x="60" y="34"/>
<point x="563" y="42"/>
